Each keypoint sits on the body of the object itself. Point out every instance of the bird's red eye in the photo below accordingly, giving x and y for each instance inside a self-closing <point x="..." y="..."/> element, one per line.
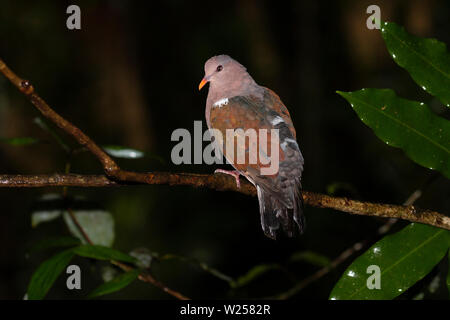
<point x="219" y="68"/>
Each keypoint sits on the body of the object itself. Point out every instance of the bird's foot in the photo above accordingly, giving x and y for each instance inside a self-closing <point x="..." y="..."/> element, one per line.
<point x="233" y="173"/>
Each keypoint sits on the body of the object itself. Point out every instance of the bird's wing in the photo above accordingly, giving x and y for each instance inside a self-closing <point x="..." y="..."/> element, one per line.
<point x="250" y="112"/>
<point x="274" y="103"/>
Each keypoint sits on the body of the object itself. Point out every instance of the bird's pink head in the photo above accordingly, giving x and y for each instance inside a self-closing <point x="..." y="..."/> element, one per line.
<point x="223" y="71"/>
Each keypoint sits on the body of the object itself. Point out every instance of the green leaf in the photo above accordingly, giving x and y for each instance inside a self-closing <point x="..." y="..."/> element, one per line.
<point x="254" y="273"/>
<point x="129" y="153"/>
<point x="23" y="141"/>
<point x="38" y="217"/>
<point x="115" y="284"/>
<point x="97" y="224"/>
<point x="55" y="242"/>
<point x="433" y="288"/>
<point x="426" y="60"/>
<point x="47" y="273"/>
<point x="48" y="208"/>
<point x="405" y="124"/>
<point x="123" y="152"/>
<point x="403" y="258"/>
<point x="102" y="253"/>
<point x="311" y="257"/>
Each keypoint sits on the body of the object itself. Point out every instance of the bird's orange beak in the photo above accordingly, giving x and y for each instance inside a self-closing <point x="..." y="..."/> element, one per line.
<point x="202" y="84"/>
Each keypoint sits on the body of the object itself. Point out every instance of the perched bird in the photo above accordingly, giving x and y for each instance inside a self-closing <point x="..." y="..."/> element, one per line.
<point x="236" y="101"/>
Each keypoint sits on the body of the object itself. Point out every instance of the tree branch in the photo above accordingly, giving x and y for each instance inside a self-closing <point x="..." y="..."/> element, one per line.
<point x="116" y="176"/>
<point x="358" y="246"/>
<point x="147" y="277"/>
<point x="224" y="183"/>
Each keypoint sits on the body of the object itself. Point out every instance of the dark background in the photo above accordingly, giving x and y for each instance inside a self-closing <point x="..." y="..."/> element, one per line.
<point x="129" y="77"/>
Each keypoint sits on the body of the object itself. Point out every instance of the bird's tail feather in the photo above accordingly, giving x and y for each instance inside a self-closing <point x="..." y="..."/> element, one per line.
<point x="275" y="213"/>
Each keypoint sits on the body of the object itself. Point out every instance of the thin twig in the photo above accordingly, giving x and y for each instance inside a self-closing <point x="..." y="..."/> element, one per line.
<point x="146" y="277"/>
<point x="218" y="182"/>
<point x="72" y="216"/>
<point x="79" y="227"/>
<point x="384" y="229"/>
<point x="221" y="182"/>
<point x="143" y="276"/>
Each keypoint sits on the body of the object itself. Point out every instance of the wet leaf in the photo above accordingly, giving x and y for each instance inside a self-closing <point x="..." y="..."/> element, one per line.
<point x="115" y="284"/>
<point x="403" y="259"/>
<point x="47" y="273"/>
<point x="97" y="224"/>
<point x="406" y="124"/>
<point x="103" y="253"/>
<point x="130" y="153"/>
<point x="426" y="60"/>
<point x="123" y="152"/>
<point x="433" y="289"/>
<point x="47" y="208"/>
<point x="55" y="242"/>
<point x="38" y="217"/>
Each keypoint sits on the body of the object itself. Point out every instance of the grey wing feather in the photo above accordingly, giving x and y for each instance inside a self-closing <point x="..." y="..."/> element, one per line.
<point x="280" y="198"/>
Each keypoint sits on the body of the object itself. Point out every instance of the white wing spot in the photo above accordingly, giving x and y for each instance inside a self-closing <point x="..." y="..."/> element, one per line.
<point x="220" y="103"/>
<point x="277" y="120"/>
<point x="286" y="141"/>
<point x="290" y="140"/>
